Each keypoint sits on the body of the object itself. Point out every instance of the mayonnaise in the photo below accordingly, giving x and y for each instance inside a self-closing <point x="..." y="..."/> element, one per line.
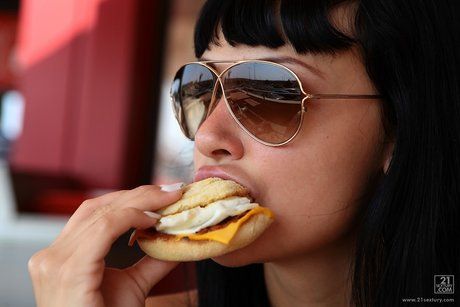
<point x="195" y="219"/>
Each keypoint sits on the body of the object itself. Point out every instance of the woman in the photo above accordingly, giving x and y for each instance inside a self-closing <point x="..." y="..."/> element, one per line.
<point x="363" y="180"/>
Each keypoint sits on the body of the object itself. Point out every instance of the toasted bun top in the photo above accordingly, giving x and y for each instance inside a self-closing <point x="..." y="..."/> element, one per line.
<point x="204" y="192"/>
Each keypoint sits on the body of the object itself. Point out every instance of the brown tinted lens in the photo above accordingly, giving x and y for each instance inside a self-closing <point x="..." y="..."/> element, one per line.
<point x="191" y="92"/>
<point x="265" y="98"/>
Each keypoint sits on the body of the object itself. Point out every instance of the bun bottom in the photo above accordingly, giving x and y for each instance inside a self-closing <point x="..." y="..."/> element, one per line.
<point x="170" y="249"/>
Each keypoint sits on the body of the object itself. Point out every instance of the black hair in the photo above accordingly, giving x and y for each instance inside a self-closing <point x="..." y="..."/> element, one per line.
<point x="411" y="50"/>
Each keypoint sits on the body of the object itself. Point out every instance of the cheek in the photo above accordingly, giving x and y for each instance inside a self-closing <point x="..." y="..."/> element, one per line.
<point x="329" y="166"/>
<point x="315" y="186"/>
<point x="294" y="236"/>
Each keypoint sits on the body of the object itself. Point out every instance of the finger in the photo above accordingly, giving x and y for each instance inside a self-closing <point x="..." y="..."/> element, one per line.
<point x="140" y="197"/>
<point x="86" y="209"/>
<point x="147" y="197"/>
<point x="95" y="242"/>
<point x="147" y="272"/>
<point x="33" y="265"/>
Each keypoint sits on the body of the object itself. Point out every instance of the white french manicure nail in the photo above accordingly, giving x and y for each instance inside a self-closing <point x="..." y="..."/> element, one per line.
<point x="172" y="187"/>
<point x="152" y="214"/>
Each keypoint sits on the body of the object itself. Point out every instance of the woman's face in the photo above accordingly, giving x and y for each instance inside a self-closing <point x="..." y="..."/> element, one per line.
<point x="315" y="184"/>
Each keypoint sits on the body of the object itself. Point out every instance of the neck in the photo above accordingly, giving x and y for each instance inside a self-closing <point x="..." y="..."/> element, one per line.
<point x="318" y="279"/>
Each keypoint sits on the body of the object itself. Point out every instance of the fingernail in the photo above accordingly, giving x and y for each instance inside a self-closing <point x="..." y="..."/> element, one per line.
<point x="152" y="214"/>
<point x="172" y="187"/>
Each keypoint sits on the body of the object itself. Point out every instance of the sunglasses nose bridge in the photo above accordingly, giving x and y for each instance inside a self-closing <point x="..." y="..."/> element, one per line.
<point x="304" y="103"/>
<point x="305" y="100"/>
<point x="215" y="97"/>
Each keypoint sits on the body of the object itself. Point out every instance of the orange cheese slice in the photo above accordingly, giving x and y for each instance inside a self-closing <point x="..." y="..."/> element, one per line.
<point x="224" y="235"/>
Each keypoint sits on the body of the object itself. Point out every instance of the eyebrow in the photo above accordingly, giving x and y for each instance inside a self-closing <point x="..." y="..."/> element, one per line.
<point x="282" y="59"/>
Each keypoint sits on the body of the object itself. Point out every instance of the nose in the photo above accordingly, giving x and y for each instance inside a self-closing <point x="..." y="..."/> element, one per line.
<point x="219" y="136"/>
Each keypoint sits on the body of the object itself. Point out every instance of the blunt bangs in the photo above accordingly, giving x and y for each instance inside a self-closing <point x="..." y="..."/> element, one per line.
<point x="305" y="25"/>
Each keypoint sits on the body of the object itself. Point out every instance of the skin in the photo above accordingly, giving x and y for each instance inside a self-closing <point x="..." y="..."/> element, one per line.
<point x="72" y="272"/>
<point x="315" y="185"/>
<point x="316" y="196"/>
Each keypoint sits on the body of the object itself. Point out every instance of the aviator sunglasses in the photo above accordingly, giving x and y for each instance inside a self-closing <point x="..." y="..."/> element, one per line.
<point x="265" y="98"/>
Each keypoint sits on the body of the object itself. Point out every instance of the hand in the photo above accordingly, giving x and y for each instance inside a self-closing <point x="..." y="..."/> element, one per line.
<point x="71" y="271"/>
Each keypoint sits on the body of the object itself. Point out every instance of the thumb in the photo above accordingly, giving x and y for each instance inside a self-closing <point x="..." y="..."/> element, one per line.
<point x="148" y="271"/>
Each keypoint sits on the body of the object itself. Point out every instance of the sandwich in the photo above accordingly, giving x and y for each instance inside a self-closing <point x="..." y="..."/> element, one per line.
<point x="213" y="217"/>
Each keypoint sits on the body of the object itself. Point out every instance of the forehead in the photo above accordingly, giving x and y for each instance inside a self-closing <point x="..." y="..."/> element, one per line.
<point x="317" y="64"/>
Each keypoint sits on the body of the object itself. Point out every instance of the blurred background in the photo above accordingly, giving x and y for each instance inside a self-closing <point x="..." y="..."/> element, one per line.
<point x="84" y="109"/>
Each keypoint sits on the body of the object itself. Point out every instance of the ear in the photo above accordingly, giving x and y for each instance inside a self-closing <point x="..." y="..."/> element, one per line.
<point x="387" y="155"/>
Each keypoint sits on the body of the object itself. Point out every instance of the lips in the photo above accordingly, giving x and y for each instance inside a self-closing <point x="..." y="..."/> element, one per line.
<point x="215" y="171"/>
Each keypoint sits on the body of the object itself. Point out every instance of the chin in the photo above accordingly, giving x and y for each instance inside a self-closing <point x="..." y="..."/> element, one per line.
<point x="257" y="252"/>
<point x="235" y="259"/>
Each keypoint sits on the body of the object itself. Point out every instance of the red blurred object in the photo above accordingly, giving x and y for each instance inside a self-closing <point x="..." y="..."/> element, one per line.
<point x="8" y="25"/>
<point x="59" y="201"/>
<point x="89" y="75"/>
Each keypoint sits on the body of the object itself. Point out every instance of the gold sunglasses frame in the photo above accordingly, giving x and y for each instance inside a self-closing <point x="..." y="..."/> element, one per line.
<point x="307" y="96"/>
